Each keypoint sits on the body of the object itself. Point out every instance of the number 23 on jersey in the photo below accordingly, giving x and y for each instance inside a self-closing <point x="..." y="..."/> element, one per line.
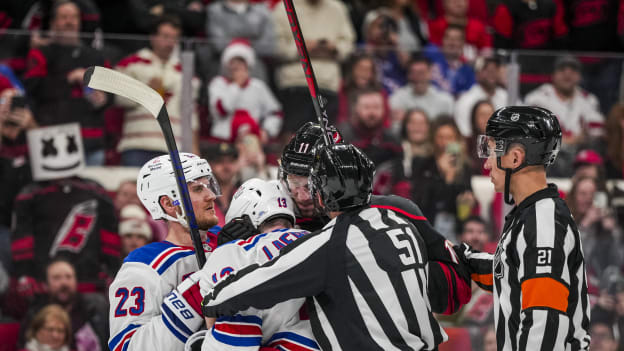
<point x="135" y="306"/>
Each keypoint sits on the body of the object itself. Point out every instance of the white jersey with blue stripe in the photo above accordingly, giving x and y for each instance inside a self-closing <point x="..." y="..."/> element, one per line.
<point x="285" y="326"/>
<point x="138" y="318"/>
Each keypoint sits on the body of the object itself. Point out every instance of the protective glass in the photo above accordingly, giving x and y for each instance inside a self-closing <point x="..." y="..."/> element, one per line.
<point x="487" y="146"/>
<point x="209" y="182"/>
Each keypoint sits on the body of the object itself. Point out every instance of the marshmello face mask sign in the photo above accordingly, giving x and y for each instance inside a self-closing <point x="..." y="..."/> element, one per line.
<point x="56" y="151"/>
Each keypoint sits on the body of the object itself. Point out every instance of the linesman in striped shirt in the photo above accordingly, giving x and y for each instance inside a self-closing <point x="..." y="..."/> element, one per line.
<point x="539" y="283"/>
<point x="364" y="273"/>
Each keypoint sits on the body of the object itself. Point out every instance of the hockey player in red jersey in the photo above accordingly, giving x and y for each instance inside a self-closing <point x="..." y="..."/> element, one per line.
<point x="154" y="299"/>
<point x="449" y="279"/>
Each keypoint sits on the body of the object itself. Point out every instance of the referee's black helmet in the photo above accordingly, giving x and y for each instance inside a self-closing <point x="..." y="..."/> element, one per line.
<point x="343" y="176"/>
<point x="537" y="129"/>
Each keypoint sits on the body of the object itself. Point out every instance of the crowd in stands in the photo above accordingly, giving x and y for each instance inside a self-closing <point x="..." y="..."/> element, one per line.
<point x="411" y="83"/>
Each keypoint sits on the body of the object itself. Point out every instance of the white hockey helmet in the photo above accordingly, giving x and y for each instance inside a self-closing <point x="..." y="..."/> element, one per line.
<point x="261" y="200"/>
<point x="157" y="178"/>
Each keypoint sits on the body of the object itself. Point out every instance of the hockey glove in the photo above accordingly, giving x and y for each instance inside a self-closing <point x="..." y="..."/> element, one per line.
<point x="237" y="228"/>
<point x="182" y="307"/>
<point x="479" y="265"/>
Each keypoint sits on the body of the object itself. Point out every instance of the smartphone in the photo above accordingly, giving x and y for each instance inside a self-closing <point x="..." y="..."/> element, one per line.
<point x="18" y="101"/>
<point x="601" y="200"/>
<point x="453" y="148"/>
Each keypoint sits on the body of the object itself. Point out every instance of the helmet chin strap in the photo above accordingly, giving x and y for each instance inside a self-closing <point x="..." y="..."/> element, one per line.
<point x="508" y="172"/>
<point x="180" y="218"/>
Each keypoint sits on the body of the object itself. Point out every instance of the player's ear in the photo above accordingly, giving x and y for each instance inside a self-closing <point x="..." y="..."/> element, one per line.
<point x="167" y="205"/>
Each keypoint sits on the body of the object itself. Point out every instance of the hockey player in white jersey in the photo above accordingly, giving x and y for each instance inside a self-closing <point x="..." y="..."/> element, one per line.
<point x="284" y="326"/>
<point x="154" y="299"/>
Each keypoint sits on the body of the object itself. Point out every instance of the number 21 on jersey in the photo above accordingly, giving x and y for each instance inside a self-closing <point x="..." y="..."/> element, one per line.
<point x="137" y="301"/>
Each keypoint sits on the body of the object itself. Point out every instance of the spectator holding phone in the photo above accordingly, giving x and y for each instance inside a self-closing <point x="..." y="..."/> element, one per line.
<point x="441" y="182"/>
<point x="15" y="118"/>
<point x="589" y="204"/>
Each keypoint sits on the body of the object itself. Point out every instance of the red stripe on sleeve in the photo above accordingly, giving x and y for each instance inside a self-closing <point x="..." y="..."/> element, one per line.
<point x="238" y="329"/>
<point x="396" y="209"/>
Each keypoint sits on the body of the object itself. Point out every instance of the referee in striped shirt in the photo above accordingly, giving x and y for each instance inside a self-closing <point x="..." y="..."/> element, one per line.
<point x="364" y="273"/>
<point x="539" y="283"/>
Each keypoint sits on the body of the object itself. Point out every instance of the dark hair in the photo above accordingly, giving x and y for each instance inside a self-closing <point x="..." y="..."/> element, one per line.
<point x="472" y="218"/>
<point x="406" y="119"/>
<point x="473" y="114"/>
<point x="349" y="82"/>
<point x="58" y="259"/>
<point x="418" y="58"/>
<point x="171" y="20"/>
<point x="441" y="121"/>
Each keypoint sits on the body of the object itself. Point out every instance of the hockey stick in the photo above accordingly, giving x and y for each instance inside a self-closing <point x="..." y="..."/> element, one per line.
<point x="111" y="81"/>
<point x="317" y="100"/>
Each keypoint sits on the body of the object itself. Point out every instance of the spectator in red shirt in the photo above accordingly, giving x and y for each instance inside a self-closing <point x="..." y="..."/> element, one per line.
<point x="532" y="24"/>
<point x="478" y="40"/>
<point x="428" y="9"/>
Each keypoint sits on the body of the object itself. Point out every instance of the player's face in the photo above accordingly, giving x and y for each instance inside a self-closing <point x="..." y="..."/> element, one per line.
<point x="203" y="199"/>
<point x="52" y="333"/>
<point x="61" y="279"/>
<point x="300" y="193"/>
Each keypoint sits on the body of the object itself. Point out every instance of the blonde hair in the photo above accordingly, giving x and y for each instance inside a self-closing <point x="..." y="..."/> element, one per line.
<point x="54" y="311"/>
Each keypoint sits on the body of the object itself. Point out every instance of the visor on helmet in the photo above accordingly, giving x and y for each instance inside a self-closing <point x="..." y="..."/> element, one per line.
<point x="487" y="146"/>
<point x="209" y="182"/>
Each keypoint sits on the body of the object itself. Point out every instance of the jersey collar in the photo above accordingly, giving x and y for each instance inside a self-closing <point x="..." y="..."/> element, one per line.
<point x="550" y="191"/>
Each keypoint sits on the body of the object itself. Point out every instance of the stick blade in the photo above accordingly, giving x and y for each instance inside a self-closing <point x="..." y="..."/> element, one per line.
<point x="117" y="83"/>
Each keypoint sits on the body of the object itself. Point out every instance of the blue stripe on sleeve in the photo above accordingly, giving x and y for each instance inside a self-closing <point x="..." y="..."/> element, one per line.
<point x="173" y="330"/>
<point x="171" y="260"/>
<point x="236" y="340"/>
<point x="240" y="318"/>
<point x="176" y="321"/>
<point x="114" y="341"/>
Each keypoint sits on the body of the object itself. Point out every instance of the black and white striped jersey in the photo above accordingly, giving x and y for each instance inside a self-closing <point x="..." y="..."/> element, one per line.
<point x="540" y="288"/>
<point x="365" y="276"/>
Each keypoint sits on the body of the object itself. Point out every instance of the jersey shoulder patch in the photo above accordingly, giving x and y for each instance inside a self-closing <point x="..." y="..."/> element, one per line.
<point x="159" y="256"/>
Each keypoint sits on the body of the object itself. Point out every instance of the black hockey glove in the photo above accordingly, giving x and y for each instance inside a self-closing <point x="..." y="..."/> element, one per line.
<point x="237" y="228"/>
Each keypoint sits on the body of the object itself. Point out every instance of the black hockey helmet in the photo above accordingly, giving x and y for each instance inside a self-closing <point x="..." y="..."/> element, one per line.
<point x="299" y="152"/>
<point x="343" y="176"/>
<point x="535" y="128"/>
